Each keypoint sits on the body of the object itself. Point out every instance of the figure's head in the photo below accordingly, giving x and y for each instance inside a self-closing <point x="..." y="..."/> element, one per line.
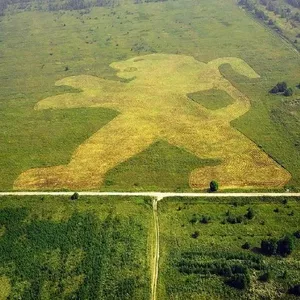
<point x="160" y="70"/>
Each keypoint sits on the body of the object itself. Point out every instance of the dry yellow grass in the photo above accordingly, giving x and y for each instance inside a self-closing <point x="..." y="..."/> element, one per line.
<point x="5" y="287"/>
<point x="154" y="105"/>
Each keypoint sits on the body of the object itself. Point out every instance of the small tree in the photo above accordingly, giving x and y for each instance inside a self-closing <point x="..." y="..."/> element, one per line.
<point x="297" y="234"/>
<point x="75" y="196"/>
<point x="250" y="213"/>
<point x="239" y="281"/>
<point x="266" y="277"/>
<point x="285" y="246"/>
<point x="213" y="186"/>
<point x="282" y="86"/>
<point x="268" y="247"/>
<point x="195" y="234"/>
<point x="288" y="92"/>
<point x="274" y="90"/>
<point x="295" y="290"/>
<point x="246" y="246"/>
<point x="205" y="219"/>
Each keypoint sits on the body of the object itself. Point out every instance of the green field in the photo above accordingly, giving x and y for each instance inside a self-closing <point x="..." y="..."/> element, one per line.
<point x="92" y="248"/>
<point x="52" y="247"/>
<point x="38" y="48"/>
<point x="190" y="266"/>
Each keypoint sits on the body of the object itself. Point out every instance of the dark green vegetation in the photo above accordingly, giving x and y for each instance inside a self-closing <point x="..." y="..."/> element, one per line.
<point x="39" y="47"/>
<point x="205" y="257"/>
<point x="213" y="186"/>
<point x="42" y="138"/>
<point x="160" y="167"/>
<point x="91" y="248"/>
<point x="282" y="16"/>
<point x="212" y="99"/>
<point x="282" y="88"/>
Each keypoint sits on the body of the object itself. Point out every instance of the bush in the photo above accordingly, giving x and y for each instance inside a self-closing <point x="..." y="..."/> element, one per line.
<point x="213" y="186"/>
<point x="274" y="90"/>
<point x="195" y="234"/>
<point x="297" y="234"/>
<point x="246" y="246"/>
<point x="75" y="196"/>
<point x="205" y="219"/>
<point x="239" y="281"/>
<point x="268" y="247"/>
<point x="193" y="220"/>
<point x="295" y="290"/>
<point x="250" y="213"/>
<point x="288" y="92"/>
<point x="285" y="246"/>
<point x="280" y="87"/>
<point x="282" y="247"/>
<point x="265" y="277"/>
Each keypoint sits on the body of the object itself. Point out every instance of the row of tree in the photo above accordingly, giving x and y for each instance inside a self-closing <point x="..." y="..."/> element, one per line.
<point x="271" y="5"/>
<point x="56" y="5"/>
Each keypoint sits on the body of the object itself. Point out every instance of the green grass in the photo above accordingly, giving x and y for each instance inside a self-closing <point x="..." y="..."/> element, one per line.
<point x="91" y="248"/>
<point x="162" y="167"/>
<point x="220" y="242"/>
<point x="35" y="48"/>
<point x="212" y="99"/>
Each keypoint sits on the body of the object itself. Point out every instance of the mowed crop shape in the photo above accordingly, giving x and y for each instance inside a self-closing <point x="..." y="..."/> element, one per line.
<point x="154" y="105"/>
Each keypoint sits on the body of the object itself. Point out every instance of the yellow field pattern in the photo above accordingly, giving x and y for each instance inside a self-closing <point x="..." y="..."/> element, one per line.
<point x="153" y="106"/>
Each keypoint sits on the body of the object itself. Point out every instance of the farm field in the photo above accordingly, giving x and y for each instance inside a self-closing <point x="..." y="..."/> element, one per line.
<point x="52" y="247"/>
<point x="203" y="246"/>
<point x="57" y="133"/>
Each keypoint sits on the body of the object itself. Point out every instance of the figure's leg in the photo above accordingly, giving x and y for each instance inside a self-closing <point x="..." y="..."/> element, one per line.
<point x="116" y="142"/>
<point x="242" y="163"/>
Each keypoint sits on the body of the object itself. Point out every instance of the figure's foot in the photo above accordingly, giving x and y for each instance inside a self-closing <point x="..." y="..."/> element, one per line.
<point x="56" y="178"/>
<point x="259" y="176"/>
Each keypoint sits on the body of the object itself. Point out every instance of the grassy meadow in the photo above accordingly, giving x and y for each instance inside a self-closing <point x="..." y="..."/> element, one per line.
<point x="202" y="242"/>
<point x="91" y="248"/>
<point x="39" y="48"/>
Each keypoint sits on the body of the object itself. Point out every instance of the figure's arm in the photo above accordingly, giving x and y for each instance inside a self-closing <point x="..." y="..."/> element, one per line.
<point x="241" y="102"/>
<point x="96" y="92"/>
<point x="237" y="64"/>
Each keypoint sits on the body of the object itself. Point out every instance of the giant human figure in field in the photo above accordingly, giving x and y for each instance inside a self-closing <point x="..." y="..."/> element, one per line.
<point x="153" y="106"/>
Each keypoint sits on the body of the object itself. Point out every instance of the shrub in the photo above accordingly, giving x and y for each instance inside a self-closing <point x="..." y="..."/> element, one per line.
<point x="280" y="87"/>
<point x="285" y="246"/>
<point x="246" y="246"/>
<point x="213" y="186"/>
<point x="265" y="277"/>
<point x="268" y="247"/>
<point x="239" y="281"/>
<point x="234" y="219"/>
<point x="276" y="210"/>
<point x="295" y="290"/>
<point x="274" y="90"/>
<point x="193" y="220"/>
<point x="288" y="92"/>
<point x="195" y="234"/>
<point x="205" y="219"/>
<point x="75" y="196"/>
<point x="250" y="213"/>
<point x="297" y="234"/>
